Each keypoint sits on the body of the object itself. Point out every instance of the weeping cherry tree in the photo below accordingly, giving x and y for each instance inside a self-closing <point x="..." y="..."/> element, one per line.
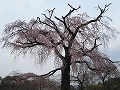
<point x="71" y="39"/>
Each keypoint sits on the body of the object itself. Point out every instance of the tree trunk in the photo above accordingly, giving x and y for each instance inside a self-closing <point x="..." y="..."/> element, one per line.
<point x="65" y="80"/>
<point x="81" y="87"/>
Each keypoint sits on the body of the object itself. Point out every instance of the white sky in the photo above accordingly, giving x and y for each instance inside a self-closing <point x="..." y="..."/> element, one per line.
<point x="11" y="10"/>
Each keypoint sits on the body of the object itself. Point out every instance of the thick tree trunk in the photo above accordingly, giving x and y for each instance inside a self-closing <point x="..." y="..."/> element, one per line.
<point x="65" y="78"/>
<point x="81" y="87"/>
<point x="65" y="81"/>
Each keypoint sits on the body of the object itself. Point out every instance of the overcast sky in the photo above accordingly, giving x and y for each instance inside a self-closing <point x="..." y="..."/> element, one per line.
<point x="11" y="10"/>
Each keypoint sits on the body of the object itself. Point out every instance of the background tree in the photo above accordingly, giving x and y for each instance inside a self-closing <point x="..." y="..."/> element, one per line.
<point x="94" y="87"/>
<point x="82" y="75"/>
<point x="85" y="77"/>
<point x="0" y="80"/>
<point x="70" y="39"/>
<point x="113" y="83"/>
<point x="107" y="74"/>
<point x="27" y="81"/>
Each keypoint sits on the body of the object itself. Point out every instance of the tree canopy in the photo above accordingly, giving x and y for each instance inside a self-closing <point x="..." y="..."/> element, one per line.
<point x="71" y="39"/>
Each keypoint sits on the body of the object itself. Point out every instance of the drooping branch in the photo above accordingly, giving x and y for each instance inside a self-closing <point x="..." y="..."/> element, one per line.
<point x="26" y="45"/>
<point x="93" y="68"/>
<point x="30" y="43"/>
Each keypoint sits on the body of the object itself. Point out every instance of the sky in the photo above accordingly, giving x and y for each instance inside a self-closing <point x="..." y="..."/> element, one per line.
<point x="11" y="10"/>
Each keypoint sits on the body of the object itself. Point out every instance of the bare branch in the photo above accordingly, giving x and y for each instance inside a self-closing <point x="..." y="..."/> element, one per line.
<point x="64" y="18"/>
<point x="102" y="11"/>
<point x="45" y="23"/>
<point x="59" y="19"/>
<point x="51" y="12"/>
<point x="54" y="26"/>
<point x="50" y="73"/>
<point x="73" y="9"/>
<point x="94" y="46"/>
<point x="65" y="24"/>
